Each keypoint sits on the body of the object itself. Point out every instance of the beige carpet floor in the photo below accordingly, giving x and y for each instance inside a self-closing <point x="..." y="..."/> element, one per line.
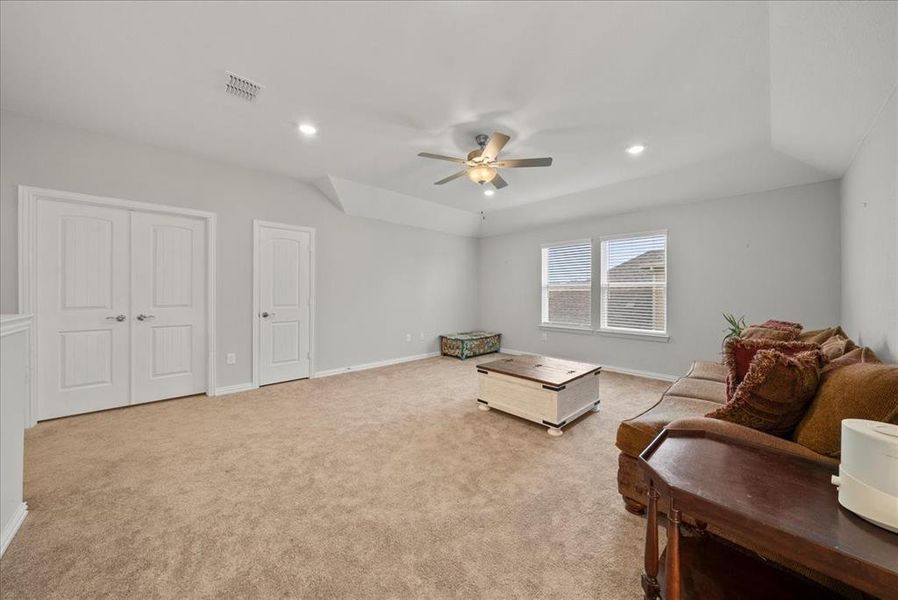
<point x="386" y="483"/>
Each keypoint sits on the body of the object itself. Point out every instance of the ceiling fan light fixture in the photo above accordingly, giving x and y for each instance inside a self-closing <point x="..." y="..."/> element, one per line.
<point x="481" y="173"/>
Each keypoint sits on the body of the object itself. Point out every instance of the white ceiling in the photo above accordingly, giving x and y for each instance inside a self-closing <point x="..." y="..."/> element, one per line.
<point x="832" y="67"/>
<point x="383" y="81"/>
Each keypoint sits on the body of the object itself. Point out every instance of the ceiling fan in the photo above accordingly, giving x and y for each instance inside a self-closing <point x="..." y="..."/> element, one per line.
<point x="482" y="165"/>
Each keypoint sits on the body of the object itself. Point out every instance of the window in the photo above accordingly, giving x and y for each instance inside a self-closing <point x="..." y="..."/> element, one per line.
<point x="634" y="283"/>
<point x="567" y="284"/>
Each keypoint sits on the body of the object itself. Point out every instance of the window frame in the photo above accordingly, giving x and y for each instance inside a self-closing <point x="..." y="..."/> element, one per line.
<point x="543" y="298"/>
<point x="623" y="331"/>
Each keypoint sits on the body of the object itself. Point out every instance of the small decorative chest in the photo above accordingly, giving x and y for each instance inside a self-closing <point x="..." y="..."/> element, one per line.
<point x="469" y="343"/>
<point x="545" y="390"/>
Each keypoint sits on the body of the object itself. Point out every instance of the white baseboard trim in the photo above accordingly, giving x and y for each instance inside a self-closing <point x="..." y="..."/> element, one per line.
<point x="374" y="365"/>
<point x="513" y="352"/>
<point x="639" y="373"/>
<point x="611" y="368"/>
<point x="12" y="526"/>
<point x="234" y="389"/>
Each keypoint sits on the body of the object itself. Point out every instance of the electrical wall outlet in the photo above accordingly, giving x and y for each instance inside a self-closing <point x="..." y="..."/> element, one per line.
<point x="231" y="358"/>
<point x="408" y="337"/>
<point x="421" y="336"/>
<point x="545" y="336"/>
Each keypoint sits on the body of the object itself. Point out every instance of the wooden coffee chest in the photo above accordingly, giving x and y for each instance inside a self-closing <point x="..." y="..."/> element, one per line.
<point x="548" y="391"/>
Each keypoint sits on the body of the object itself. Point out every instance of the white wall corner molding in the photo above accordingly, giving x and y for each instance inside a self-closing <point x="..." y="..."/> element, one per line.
<point x="11" y="527"/>
<point x="235" y="389"/>
<point x="361" y="200"/>
<point x="374" y="365"/>
<point x="15" y="339"/>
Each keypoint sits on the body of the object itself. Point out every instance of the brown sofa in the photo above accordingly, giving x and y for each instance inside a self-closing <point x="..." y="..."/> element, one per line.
<point x="683" y="406"/>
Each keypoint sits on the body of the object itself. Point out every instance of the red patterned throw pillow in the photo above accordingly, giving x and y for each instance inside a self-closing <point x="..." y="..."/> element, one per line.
<point x="775" y="392"/>
<point x="740" y="352"/>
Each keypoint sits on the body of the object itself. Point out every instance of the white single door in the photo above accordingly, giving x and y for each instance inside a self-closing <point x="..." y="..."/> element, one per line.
<point x="168" y="291"/>
<point x="83" y="308"/>
<point x="284" y="309"/>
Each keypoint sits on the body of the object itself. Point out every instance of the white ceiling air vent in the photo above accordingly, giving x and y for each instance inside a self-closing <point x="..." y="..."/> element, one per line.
<point x="242" y="87"/>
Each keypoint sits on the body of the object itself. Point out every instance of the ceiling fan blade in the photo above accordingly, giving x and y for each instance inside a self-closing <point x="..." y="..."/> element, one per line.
<point x="494" y="146"/>
<point x="441" y="157"/>
<point x="524" y="162"/>
<point x="498" y="182"/>
<point x="451" y="177"/>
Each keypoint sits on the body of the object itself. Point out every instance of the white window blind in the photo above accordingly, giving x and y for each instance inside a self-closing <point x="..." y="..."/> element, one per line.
<point x="634" y="283"/>
<point x="567" y="284"/>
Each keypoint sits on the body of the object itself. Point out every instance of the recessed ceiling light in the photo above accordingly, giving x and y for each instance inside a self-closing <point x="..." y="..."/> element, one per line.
<point x="489" y="192"/>
<point x="307" y="129"/>
<point x="635" y="149"/>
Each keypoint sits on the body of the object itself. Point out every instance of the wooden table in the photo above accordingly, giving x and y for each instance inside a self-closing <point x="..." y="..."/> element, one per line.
<point x="548" y="391"/>
<point x="786" y="506"/>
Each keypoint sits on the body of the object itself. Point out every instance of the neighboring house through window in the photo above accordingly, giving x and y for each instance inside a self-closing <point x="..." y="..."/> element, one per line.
<point x="634" y="283"/>
<point x="567" y="284"/>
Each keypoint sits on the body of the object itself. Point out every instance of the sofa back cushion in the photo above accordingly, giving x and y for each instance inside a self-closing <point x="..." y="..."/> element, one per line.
<point x="740" y="352"/>
<point x="836" y="346"/>
<point x="775" y="392"/>
<point x="854" y="356"/>
<point x="818" y="336"/>
<point x="857" y="391"/>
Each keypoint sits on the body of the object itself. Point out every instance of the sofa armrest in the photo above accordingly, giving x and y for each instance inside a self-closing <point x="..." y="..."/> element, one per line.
<point x="752" y="436"/>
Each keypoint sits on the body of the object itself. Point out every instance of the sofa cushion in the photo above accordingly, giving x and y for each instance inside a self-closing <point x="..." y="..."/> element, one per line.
<point x="700" y="389"/>
<point x="774" y="394"/>
<point x="818" y="336"/>
<point x="836" y="346"/>
<point x="739" y="353"/>
<point x="635" y="434"/>
<point x="852" y="357"/>
<point x="713" y="371"/>
<point x="858" y="391"/>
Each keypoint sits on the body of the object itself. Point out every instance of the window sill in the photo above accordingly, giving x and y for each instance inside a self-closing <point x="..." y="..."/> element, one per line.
<point x="566" y="328"/>
<point x="637" y="335"/>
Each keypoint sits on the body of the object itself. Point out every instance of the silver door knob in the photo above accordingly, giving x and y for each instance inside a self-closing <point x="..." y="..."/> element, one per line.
<point x="118" y="318"/>
<point x="142" y="317"/>
<point x="265" y="315"/>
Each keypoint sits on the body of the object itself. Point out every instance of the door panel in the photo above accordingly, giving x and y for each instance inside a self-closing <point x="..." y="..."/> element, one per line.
<point x="168" y="278"/>
<point x="284" y="280"/>
<point x="82" y="286"/>
<point x="86" y="358"/>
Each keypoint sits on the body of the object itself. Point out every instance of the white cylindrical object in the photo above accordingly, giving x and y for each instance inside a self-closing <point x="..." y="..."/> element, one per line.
<point x="868" y="474"/>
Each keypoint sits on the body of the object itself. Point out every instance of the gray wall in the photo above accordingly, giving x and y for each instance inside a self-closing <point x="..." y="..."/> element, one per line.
<point x="375" y="281"/>
<point x="870" y="239"/>
<point x="768" y="255"/>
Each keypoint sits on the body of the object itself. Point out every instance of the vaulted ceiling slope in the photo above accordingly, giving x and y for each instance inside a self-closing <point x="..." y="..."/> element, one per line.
<point x="728" y="97"/>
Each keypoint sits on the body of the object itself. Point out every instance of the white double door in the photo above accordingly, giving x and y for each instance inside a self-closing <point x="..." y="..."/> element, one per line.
<point x="284" y="294"/>
<point x="121" y="307"/>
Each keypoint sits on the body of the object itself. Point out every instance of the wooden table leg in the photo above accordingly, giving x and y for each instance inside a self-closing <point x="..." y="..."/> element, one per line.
<point x="672" y="587"/>
<point x="650" y="585"/>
